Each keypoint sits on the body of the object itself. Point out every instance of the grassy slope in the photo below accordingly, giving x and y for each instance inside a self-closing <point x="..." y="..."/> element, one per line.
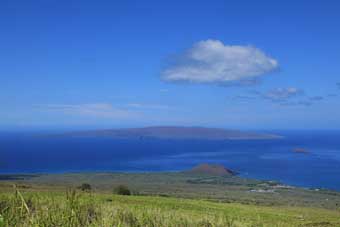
<point x="225" y="189"/>
<point x="84" y="209"/>
<point x="186" y="202"/>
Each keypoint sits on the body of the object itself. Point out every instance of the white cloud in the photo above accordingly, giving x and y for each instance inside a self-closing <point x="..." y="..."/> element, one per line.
<point x="147" y="106"/>
<point x="304" y="103"/>
<point x="280" y="94"/>
<point x="289" y="96"/>
<point x="211" y="61"/>
<point x="102" y="110"/>
<point x="296" y="103"/>
<point x="316" y="98"/>
<point x="332" y="95"/>
<point x="243" y="97"/>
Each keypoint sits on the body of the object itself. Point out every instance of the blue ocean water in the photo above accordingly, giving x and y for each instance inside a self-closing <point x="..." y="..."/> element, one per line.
<point x="261" y="159"/>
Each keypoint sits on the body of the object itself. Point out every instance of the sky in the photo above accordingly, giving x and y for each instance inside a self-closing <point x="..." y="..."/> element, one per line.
<point x="79" y="64"/>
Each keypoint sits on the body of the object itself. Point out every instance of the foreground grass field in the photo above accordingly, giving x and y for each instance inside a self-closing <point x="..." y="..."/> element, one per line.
<point x="75" y="209"/>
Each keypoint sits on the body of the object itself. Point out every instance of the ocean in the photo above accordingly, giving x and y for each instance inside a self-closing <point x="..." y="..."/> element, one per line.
<point x="319" y="167"/>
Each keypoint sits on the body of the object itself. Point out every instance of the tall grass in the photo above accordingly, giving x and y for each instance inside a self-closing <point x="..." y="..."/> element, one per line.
<point x="81" y="209"/>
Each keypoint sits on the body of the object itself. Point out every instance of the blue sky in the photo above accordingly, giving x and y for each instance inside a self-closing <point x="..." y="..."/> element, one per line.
<point x="232" y="64"/>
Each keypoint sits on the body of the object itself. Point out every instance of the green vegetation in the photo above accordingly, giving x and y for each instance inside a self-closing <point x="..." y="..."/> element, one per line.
<point x="161" y="199"/>
<point x="122" y="190"/>
<point x="227" y="189"/>
<point x="85" y="187"/>
<point x="77" y="208"/>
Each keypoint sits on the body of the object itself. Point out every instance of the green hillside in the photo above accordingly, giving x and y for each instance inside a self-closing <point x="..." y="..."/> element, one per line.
<point x="75" y="208"/>
<point x="161" y="200"/>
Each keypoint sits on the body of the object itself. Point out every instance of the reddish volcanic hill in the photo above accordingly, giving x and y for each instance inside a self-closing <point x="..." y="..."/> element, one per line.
<point x="211" y="169"/>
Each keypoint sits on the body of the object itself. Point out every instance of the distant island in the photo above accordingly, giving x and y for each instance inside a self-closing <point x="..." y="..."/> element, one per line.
<point x="174" y="132"/>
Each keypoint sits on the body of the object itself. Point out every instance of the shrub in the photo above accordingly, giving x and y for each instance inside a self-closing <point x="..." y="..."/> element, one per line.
<point x="122" y="190"/>
<point x="2" y="221"/>
<point x="85" y="187"/>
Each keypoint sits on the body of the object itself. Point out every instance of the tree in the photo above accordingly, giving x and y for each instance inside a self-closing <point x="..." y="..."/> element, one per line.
<point x="85" y="187"/>
<point x="122" y="190"/>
